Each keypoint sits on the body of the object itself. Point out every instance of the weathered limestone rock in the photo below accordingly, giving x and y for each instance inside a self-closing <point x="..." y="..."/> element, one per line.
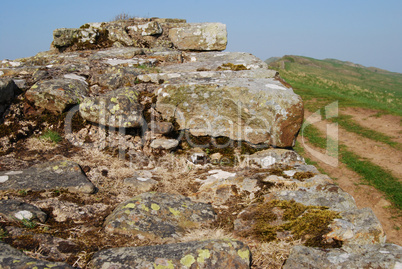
<point x="328" y="195"/>
<point x="219" y="186"/>
<point x="198" y="254"/>
<point x="144" y="33"/>
<point x="142" y="184"/>
<point x="119" y="108"/>
<point x="164" y="143"/>
<point x="200" y="36"/>
<point x="12" y="210"/>
<point x="64" y="37"/>
<point x="113" y="78"/>
<point x="158" y="214"/>
<point x="382" y="256"/>
<point x="358" y="226"/>
<point x="56" y="95"/>
<point x="64" y="210"/>
<point x="150" y="28"/>
<point x="13" y="258"/>
<point x="269" y="157"/>
<point x="53" y="175"/>
<point x="259" y="111"/>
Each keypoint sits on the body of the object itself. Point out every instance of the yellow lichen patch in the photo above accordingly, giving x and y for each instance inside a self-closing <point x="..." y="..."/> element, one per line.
<point x="174" y="211"/>
<point x="155" y="207"/>
<point x="187" y="260"/>
<point x="203" y="254"/>
<point x="244" y="254"/>
<point x="144" y="207"/>
<point x="129" y="205"/>
<point x="163" y="264"/>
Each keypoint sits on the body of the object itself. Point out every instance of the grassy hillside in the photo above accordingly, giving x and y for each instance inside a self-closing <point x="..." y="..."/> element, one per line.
<point x="320" y="82"/>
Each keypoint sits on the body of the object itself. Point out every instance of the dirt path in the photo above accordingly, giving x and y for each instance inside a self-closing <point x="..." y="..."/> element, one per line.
<point x="349" y="181"/>
<point x="389" y="125"/>
<point x="364" y="195"/>
<point x="376" y="152"/>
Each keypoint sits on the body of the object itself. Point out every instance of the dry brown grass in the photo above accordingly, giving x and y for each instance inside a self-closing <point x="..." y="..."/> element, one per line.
<point x="272" y="254"/>
<point x="34" y="143"/>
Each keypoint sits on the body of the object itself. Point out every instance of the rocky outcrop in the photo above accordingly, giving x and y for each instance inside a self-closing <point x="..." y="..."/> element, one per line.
<point x="144" y="92"/>
<point x="198" y="254"/>
<point x="144" y="33"/>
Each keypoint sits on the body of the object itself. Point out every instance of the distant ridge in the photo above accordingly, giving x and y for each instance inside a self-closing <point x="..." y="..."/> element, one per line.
<point x="276" y="61"/>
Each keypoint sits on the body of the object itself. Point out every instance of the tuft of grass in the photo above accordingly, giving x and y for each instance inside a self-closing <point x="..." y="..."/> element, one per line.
<point x="28" y="223"/>
<point x="3" y="234"/>
<point x="51" y="136"/>
<point x="375" y="176"/>
<point x="123" y="17"/>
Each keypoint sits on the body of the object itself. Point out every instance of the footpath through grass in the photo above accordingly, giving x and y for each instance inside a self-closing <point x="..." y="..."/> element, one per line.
<point x="371" y="174"/>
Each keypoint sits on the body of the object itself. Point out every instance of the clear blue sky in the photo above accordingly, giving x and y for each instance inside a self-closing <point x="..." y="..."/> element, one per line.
<point x="361" y="31"/>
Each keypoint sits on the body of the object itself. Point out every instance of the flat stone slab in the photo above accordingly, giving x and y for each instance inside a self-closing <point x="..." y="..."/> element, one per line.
<point x="47" y="176"/>
<point x="13" y="210"/>
<point x="56" y="95"/>
<point x="328" y="195"/>
<point x="13" y="258"/>
<point x="381" y="256"/>
<point x="198" y="254"/>
<point x="158" y="214"/>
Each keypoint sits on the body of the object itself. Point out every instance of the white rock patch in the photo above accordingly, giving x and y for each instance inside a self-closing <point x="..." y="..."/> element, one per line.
<point x="3" y="179"/>
<point x="24" y="214"/>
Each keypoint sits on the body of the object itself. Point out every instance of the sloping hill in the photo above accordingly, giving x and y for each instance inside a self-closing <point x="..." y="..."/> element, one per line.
<point x="364" y="138"/>
<point x="351" y="84"/>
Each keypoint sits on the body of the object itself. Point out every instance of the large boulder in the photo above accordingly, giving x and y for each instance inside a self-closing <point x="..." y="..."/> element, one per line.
<point x="261" y="111"/>
<point x="119" y="108"/>
<point x="200" y="36"/>
<point x="56" y="95"/>
<point x="197" y="254"/>
<point x="158" y="215"/>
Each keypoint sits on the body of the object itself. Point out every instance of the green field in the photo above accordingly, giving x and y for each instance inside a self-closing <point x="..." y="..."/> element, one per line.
<point x="320" y="82"/>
